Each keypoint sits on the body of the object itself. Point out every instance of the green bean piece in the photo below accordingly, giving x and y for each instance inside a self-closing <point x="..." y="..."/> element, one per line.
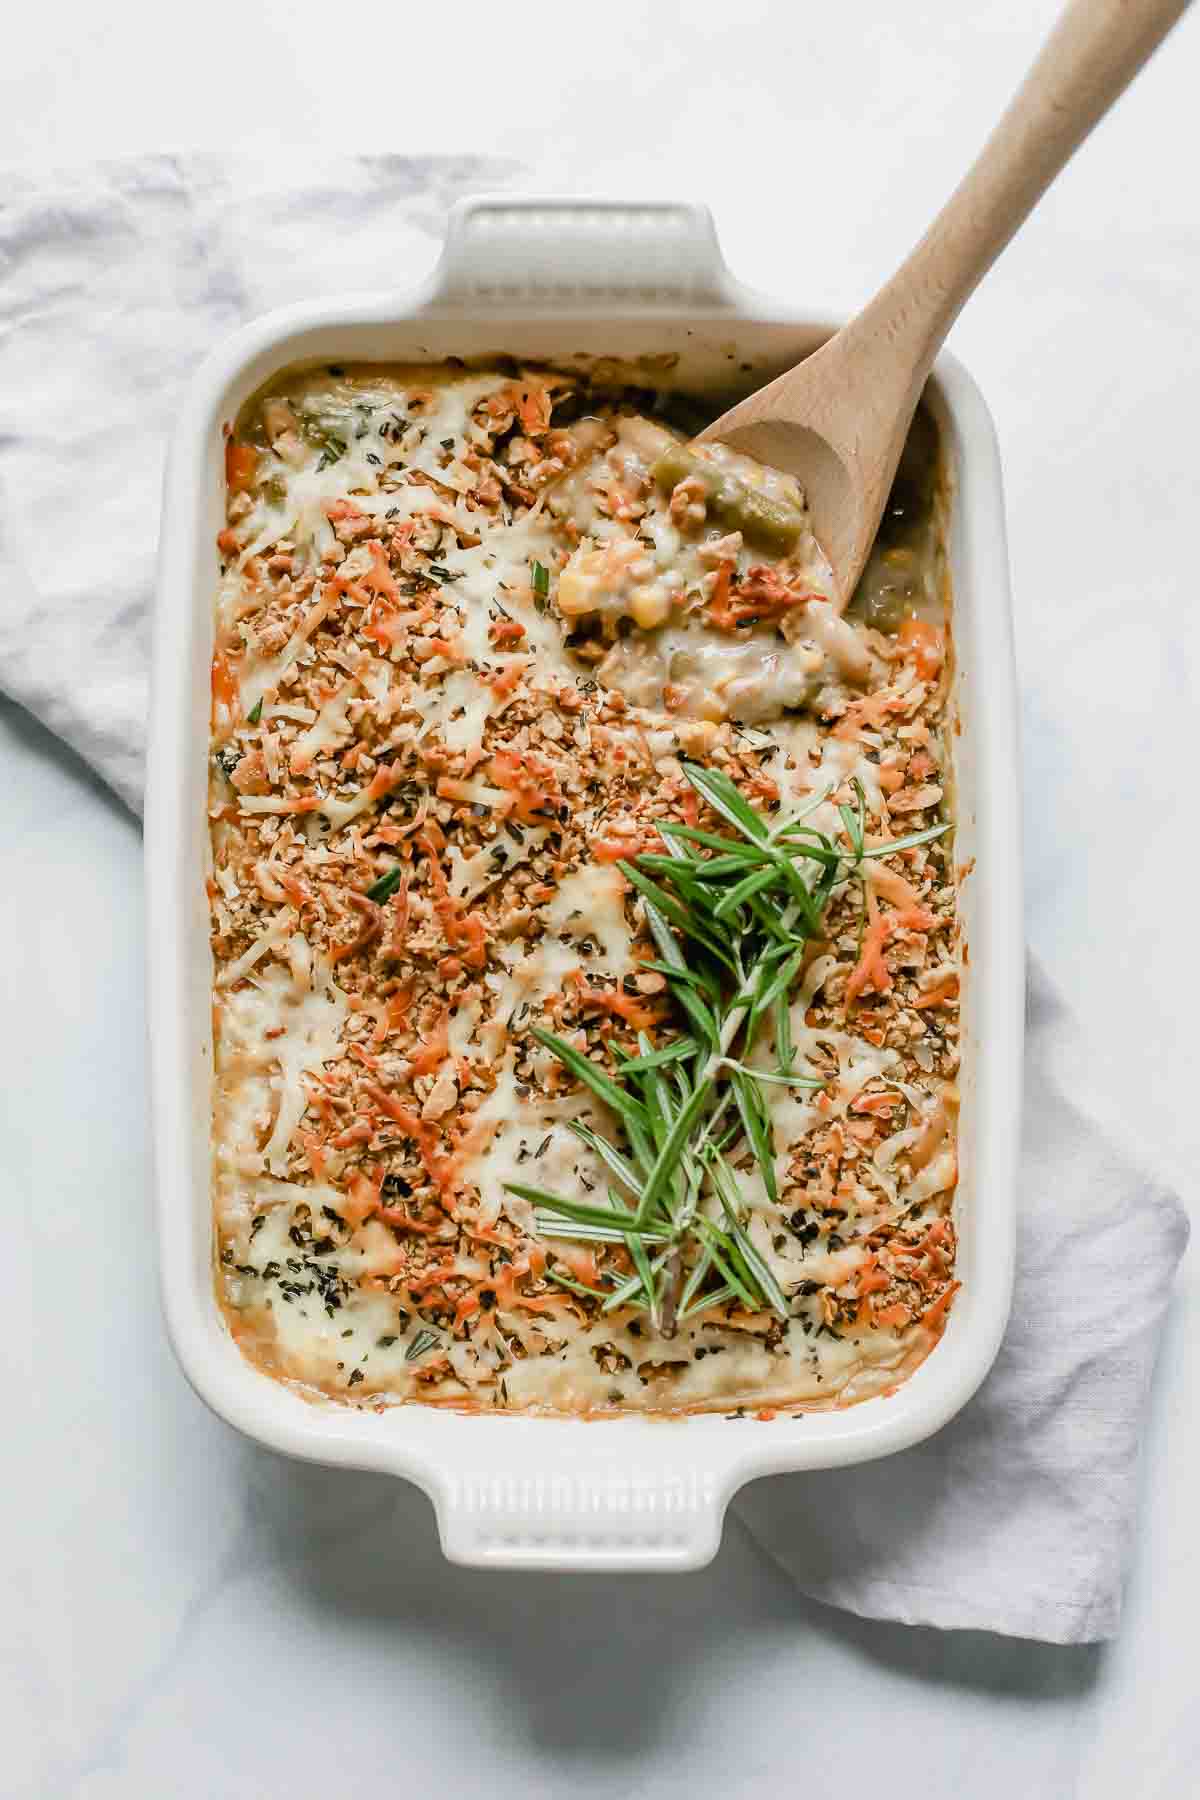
<point x="770" y="524"/>
<point x="894" y="580"/>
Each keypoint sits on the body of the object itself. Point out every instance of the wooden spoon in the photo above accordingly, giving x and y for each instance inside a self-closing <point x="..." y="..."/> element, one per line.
<point x="838" y="421"/>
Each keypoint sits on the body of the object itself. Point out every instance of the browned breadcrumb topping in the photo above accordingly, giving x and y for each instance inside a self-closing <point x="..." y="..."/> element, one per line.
<point x="420" y="792"/>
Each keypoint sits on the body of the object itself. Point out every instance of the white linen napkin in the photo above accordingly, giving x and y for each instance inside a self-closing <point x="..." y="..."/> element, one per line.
<point x="114" y="281"/>
<point x="1017" y="1516"/>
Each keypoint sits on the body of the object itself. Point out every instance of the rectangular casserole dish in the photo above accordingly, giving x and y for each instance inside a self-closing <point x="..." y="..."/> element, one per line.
<point x="548" y="279"/>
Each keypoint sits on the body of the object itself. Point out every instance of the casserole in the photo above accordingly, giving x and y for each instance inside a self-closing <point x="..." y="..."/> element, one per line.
<point x="535" y="279"/>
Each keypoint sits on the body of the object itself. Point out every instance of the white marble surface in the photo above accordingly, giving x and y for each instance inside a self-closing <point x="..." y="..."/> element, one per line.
<point x="186" y="1615"/>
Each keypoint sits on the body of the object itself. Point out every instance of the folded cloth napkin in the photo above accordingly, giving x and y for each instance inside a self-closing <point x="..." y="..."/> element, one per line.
<point x="116" y="280"/>
<point x="1016" y="1516"/>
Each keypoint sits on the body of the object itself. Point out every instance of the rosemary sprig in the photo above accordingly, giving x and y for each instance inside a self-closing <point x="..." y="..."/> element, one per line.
<point x="732" y="917"/>
<point x="385" y="887"/>
<point x="423" y="1340"/>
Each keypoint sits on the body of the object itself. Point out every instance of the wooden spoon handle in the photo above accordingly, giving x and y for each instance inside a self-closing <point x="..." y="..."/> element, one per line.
<point x="1094" y="51"/>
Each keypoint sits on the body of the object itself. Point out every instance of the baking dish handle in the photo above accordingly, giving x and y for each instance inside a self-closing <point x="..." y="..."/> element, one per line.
<point x="577" y="254"/>
<point x="605" y="1512"/>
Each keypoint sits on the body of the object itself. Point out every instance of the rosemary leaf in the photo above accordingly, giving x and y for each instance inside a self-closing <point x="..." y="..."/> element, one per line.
<point x="804" y="1081"/>
<point x="757" y="1266"/>
<point x="748" y="1099"/>
<point x="705" y="1303"/>
<point x="548" y="1225"/>
<point x="720" y="1246"/>
<point x="601" y="1084"/>
<point x="576" y="1287"/>
<point x="679" y="914"/>
<point x="709" y="839"/>
<point x="663" y="1171"/>
<point x="677" y="1051"/>
<point x="784" y="1050"/>
<point x="641" y="1263"/>
<point x="576" y="1210"/>
<point x="724" y="797"/>
<point x="386" y="886"/>
<point x="424" y="1340"/>
<point x="906" y="843"/>
<point x="751" y="884"/>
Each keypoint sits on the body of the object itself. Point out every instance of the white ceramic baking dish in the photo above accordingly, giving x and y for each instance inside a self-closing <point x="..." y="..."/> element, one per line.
<point x="549" y="279"/>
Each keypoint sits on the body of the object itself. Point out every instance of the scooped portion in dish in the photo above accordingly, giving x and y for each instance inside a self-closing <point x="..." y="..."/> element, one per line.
<point x="586" y="959"/>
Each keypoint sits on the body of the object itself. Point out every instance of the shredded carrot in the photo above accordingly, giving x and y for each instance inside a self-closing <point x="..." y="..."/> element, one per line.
<point x="434" y="1049"/>
<point x="465" y="1309"/>
<point x="344" y="512"/>
<point x="360" y="1132"/>
<point x="398" y="911"/>
<point x="503" y="684"/>
<point x="625" y="1006"/>
<point x="387" y="632"/>
<point x="883" y="1104"/>
<point x="869" y="713"/>
<point x="386" y="777"/>
<point x="762" y="593"/>
<point x="465" y="931"/>
<point x="435" y="1277"/>
<point x="942" y="991"/>
<point x="872" y="1279"/>
<point x="892" y="886"/>
<point x="379" y="579"/>
<point x="438" y="1165"/>
<point x="871" y="970"/>
<point x="611" y="850"/>
<point x="931" y="1244"/>
<point x="508" y="1296"/>
<point x="225" y="691"/>
<point x="718" y="604"/>
<point x="314" y="1149"/>
<point x="934" y="1317"/>
<point x="533" y="408"/>
<point x="923" y="643"/>
<point x="484" y="1234"/>
<point x="362" y="1198"/>
<point x="241" y="466"/>
<point x="531" y="782"/>
<point x="582" y="1263"/>
<point x="400" y="1220"/>
<point x="372" y="928"/>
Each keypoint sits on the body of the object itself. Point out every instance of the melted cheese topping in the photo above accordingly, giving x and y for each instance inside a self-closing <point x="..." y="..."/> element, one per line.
<point x="462" y="654"/>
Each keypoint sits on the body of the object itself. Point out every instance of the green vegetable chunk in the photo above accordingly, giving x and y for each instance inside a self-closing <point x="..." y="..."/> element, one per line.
<point x="385" y="887"/>
<point x="771" y="525"/>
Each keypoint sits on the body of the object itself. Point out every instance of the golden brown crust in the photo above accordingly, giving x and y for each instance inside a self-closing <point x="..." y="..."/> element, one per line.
<point x="419" y="796"/>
